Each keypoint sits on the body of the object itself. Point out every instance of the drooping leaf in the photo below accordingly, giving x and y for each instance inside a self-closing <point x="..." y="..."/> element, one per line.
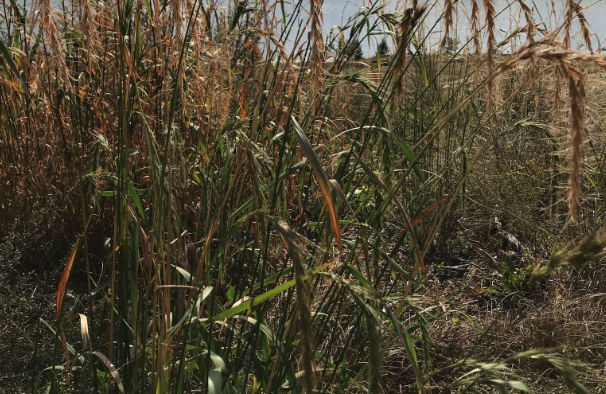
<point x="112" y="370"/>
<point x="320" y="177"/>
<point x="65" y="276"/>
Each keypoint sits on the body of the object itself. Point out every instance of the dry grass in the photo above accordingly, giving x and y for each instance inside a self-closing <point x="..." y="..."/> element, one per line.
<point x="246" y="217"/>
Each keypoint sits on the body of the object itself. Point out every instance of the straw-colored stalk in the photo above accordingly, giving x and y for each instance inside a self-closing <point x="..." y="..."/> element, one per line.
<point x="177" y="20"/>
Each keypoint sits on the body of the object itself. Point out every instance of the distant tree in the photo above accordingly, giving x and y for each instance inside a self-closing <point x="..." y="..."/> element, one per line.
<point x="354" y="50"/>
<point x="451" y="45"/>
<point x="383" y="48"/>
<point x="358" y="54"/>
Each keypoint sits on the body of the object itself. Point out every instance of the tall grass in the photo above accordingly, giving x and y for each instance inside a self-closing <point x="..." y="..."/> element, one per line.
<point x="266" y="205"/>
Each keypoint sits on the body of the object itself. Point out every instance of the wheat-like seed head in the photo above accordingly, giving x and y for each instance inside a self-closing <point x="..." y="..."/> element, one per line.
<point x="490" y="27"/>
<point x="475" y="26"/>
<point x="570" y="7"/>
<point x="474" y="21"/>
<point x="317" y="45"/>
<point x="409" y="19"/>
<point x="449" y="10"/>
<point x="49" y="27"/>
<point x="584" y="27"/>
<point x="516" y="33"/>
<point x="89" y="30"/>
<point x="530" y="27"/>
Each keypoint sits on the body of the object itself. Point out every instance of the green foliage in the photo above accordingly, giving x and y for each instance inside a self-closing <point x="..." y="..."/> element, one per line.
<point x="514" y="279"/>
